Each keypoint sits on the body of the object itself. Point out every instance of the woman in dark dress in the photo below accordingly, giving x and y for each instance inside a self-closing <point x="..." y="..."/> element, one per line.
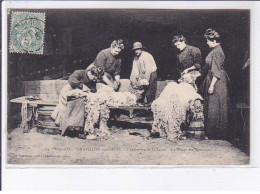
<point x="110" y="60"/>
<point x="189" y="58"/>
<point x="70" y="112"/>
<point x="215" y="89"/>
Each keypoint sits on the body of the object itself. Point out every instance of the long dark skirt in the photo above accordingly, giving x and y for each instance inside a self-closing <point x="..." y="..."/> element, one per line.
<point x="216" y="106"/>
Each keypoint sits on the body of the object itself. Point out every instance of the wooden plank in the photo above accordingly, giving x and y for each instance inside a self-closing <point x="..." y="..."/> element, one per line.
<point x="49" y="131"/>
<point x="50" y="124"/>
<point x="192" y="129"/>
<point x="51" y="89"/>
<point x="131" y="107"/>
<point x="44" y="82"/>
<point x="49" y="112"/>
<point x="46" y="89"/>
<point x="36" y="102"/>
<point x="241" y="105"/>
<point x="135" y="120"/>
<point x="45" y="118"/>
<point x="39" y="88"/>
<point x="49" y="97"/>
<point x="58" y="87"/>
<point x="46" y="108"/>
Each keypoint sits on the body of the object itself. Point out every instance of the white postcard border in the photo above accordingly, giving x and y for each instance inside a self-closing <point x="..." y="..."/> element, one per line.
<point x="137" y="177"/>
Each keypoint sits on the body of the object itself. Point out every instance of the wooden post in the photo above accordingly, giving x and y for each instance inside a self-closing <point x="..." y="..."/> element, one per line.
<point x="131" y="113"/>
<point x="24" y="112"/>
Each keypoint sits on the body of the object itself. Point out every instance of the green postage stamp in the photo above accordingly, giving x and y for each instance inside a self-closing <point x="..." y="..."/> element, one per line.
<point x="27" y="32"/>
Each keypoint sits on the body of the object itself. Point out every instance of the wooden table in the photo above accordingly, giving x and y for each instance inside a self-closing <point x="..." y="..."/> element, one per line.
<point x="35" y="104"/>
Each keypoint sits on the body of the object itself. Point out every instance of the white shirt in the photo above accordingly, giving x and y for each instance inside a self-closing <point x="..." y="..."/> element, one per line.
<point x="142" y="68"/>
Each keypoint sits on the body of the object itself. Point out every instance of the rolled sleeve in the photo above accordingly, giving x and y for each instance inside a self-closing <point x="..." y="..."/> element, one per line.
<point x="118" y="68"/>
<point x="179" y="68"/>
<point x="217" y="61"/>
<point x="75" y="79"/>
<point x="153" y="64"/>
<point x="100" y="60"/>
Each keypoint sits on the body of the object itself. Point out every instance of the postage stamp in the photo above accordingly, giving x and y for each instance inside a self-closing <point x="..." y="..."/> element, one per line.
<point x="27" y="32"/>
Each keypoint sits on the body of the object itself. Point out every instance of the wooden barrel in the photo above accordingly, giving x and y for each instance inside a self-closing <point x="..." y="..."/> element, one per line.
<point x="45" y="124"/>
<point x="196" y="130"/>
<point x="196" y="125"/>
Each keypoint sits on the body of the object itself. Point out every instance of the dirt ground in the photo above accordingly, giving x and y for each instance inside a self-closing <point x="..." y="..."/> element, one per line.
<point x="124" y="147"/>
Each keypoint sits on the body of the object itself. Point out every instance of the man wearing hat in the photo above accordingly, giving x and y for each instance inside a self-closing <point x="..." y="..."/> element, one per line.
<point x="143" y="75"/>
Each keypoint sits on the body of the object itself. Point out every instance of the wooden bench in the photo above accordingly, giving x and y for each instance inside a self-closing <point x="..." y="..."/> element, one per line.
<point x="48" y="92"/>
<point x="131" y="118"/>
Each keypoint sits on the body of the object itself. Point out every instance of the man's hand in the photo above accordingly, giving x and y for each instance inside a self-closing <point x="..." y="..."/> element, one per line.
<point x="211" y="90"/>
<point x="85" y="88"/>
<point x="144" y="82"/>
<point x="116" y="85"/>
<point x="117" y="82"/>
<point x="186" y="71"/>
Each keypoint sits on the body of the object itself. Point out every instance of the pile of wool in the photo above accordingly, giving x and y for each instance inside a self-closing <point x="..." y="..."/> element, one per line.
<point x="170" y="108"/>
<point x="190" y="78"/>
<point x="131" y="99"/>
<point x="117" y="99"/>
<point x="104" y="116"/>
<point x="94" y="105"/>
<point x="103" y="88"/>
<point x="137" y="92"/>
<point x="97" y="107"/>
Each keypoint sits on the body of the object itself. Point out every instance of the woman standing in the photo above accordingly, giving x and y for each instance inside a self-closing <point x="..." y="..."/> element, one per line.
<point x="189" y="58"/>
<point x="215" y="89"/>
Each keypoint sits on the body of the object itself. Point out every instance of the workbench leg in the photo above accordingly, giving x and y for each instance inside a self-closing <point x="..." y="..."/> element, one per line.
<point x="28" y="121"/>
<point x="34" y="117"/>
<point x="131" y="115"/>
<point x="115" y="114"/>
<point x="24" y="124"/>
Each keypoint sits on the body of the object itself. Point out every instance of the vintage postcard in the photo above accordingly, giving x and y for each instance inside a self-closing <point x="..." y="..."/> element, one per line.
<point x="126" y="86"/>
<point x="119" y="95"/>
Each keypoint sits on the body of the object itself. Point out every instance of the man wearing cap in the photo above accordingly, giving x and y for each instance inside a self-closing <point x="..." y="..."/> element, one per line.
<point x="143" y="75"/>
<point x="109" y="60"/>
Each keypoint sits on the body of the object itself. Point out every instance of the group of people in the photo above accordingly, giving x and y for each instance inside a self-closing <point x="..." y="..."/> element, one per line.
<point x="107" y="68"/>
<point x="214" y="85"/>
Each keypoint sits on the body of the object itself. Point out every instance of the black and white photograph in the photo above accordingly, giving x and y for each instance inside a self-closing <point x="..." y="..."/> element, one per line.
<point x="128" y="87"/>
<point x="130" y="95"/>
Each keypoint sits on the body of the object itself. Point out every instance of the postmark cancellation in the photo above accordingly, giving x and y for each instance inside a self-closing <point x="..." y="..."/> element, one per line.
<point x="27" y="32"/>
